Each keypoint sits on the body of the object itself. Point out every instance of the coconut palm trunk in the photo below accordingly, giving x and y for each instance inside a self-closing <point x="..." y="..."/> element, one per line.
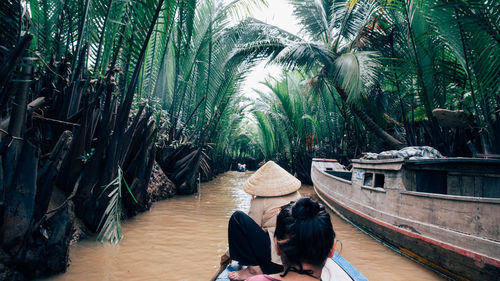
<point x="391" y="141"/>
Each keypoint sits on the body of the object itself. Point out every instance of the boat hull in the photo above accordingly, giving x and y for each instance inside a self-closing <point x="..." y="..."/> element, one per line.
<point x="451" y="260"/>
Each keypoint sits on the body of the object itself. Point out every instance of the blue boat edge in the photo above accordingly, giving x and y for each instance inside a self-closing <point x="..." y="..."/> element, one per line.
<point x="337" y="258"/>
<point x="348" y="268"/>
<point x="224" y="275"/>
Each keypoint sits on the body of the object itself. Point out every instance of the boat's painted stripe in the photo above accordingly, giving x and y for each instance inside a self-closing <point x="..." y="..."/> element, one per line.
<point x="348" y="268"/>
<point x="480" y="259"/>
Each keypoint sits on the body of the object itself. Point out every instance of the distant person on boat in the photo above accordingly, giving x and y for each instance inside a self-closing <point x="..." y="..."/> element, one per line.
<point x="242" y="167"/>
<point x="304" y="239"/>
<point x="251" y="236"/>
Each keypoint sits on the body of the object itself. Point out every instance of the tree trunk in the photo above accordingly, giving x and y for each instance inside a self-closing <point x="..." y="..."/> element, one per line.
<point x="369" y="123"/>
<point x="11" y="62"/>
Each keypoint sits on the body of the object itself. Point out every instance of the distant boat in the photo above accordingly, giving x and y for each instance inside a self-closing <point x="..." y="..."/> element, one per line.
<point x="242" y="167"/>
<point x="442" y="212"/>
<point x="336" y="269"/>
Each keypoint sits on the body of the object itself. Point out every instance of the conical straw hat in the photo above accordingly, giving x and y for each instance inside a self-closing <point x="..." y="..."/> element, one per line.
<point x="271" y="180"/>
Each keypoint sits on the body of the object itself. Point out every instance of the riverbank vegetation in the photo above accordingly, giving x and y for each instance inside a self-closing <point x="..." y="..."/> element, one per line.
<point x="96" y="94"/>
<point x="379" y="75"/>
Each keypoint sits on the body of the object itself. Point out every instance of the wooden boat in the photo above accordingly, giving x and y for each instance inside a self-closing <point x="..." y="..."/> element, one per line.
<point x="442" y="212"/>
<point x="336" y="269"/>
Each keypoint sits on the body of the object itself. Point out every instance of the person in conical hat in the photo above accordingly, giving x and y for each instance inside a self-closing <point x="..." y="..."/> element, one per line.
<point x="250" y="235"/>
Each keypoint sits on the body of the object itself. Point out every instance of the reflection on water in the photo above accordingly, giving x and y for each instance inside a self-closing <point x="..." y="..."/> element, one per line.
<point x="182" y="239"/>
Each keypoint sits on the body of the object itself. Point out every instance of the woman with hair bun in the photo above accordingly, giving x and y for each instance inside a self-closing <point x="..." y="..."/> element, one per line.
<point x="304" y="239"/>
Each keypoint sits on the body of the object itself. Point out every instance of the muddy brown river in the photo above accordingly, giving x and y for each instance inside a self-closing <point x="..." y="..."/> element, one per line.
<point x="182" y="239"/>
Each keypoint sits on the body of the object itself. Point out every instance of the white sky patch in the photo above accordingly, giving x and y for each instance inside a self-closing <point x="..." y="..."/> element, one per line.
<point x="280" y="14"/>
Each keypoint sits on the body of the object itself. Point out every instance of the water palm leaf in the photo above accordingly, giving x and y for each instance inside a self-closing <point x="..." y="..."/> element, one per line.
<point x="110" y="229"/>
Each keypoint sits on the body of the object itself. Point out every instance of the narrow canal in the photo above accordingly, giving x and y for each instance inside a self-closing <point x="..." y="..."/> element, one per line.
<point x="183" y="238"/>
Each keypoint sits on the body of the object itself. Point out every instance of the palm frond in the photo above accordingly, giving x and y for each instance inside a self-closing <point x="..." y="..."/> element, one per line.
<point x="348" y="18"/>
<point x="53" y="24"/>
<point x="355" y="72"/>
<point x="110" y="228"/>
<point x="468" y="31"/>
<point x="312" y="14"/>
<point x="305" y="55"/>
<point x="11" y="25"/>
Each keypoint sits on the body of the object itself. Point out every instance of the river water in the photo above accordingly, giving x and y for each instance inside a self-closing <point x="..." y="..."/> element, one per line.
<point x="182" y="239"/>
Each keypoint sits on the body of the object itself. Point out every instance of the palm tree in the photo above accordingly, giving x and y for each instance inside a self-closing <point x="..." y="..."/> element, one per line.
<point x="332" y="32"/>
<point x="198" y="91"/>
<point x="100" y="67"/>
<point x="76" y="53"/>
<point x="291" y="124"/>
<point x="439" y="55"/>
<point x="469" y="31"/>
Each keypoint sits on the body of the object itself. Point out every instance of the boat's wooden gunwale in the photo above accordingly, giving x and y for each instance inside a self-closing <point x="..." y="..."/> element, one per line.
<point x="378" y="161"/>
<point x="426" y="161"/>
<point x="451" y="197"/>
<point x="461" y="173"/>
<point x="324" y="160"/>
<point x="391" y="166"/>
<point x="336" y="178"/>
<point x="451" y="160"/>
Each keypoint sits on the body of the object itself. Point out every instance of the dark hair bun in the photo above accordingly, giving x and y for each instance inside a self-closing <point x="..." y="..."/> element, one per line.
<point x="305" y="208"/>
<point x="304" y="232"/>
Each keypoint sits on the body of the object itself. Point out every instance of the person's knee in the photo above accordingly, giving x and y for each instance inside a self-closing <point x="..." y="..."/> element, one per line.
<point x="236" y="216"/>
<point x="236" y="222"/>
